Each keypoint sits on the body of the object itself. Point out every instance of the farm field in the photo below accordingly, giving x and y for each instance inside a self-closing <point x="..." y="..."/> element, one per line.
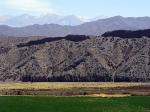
<point x="74" y="104"/>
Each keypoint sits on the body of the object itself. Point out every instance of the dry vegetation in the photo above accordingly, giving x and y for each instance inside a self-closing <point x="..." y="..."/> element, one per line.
<point x="77" y="89"/>
<point x="66" y="85"/>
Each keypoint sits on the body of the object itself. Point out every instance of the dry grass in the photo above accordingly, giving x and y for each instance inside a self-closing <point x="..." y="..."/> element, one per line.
<point x="109" y="95"/>
<point x="65" y="85"/>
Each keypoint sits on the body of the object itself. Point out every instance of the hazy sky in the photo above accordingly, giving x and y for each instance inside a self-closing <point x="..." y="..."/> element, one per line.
<point x="85" y="8"/>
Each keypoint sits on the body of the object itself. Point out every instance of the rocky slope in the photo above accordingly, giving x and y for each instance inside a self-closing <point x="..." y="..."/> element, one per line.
<point x="75" y="58"/>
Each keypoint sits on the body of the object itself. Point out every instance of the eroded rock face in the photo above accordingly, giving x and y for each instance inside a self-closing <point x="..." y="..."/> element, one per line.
<point x="89" y="59"/>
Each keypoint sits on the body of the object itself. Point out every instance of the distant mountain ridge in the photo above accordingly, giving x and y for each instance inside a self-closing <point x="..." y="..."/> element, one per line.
<point x="89" y="28"/>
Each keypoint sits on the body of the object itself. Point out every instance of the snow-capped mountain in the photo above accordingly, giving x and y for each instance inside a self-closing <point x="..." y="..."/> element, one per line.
<point x="25" y="20"/>
<point x="48" y="19"/>
<point x="3" y="19"/>
<point x="19" y="21"/>
<point x="70" y="20"/>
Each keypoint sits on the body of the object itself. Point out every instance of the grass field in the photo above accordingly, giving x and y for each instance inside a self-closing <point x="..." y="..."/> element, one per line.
<point x="73" y="104"/>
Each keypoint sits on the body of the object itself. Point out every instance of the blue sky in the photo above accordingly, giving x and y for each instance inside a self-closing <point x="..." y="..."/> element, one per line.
<point x="84" y="8"/>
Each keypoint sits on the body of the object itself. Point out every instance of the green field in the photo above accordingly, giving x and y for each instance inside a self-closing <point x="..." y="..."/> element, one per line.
<point x="73" y="104"/>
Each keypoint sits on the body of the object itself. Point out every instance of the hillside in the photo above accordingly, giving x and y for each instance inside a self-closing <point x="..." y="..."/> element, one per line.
<point x="75" y="58"/>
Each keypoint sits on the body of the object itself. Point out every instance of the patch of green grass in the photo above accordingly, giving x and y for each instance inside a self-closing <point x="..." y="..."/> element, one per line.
<point x="73" y="104"/>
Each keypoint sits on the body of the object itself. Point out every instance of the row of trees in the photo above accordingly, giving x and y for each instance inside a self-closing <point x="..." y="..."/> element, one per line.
<point x="70" y="78"/>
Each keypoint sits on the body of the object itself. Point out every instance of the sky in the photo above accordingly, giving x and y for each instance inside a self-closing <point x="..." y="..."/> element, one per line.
<point x="83" y="8"/>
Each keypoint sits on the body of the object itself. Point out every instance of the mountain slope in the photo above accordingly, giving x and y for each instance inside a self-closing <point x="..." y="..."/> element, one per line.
<point x="75" y="58"/>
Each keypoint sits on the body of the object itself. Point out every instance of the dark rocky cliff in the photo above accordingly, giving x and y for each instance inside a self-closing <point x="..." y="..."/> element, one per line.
<point x="128" y="33"/>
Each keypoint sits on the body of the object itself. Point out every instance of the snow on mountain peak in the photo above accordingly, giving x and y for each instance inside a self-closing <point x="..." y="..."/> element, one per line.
<point x="50" y="18"/>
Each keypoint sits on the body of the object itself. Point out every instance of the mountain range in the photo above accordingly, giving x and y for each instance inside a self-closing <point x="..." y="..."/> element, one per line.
<point x="96" y="27"/>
